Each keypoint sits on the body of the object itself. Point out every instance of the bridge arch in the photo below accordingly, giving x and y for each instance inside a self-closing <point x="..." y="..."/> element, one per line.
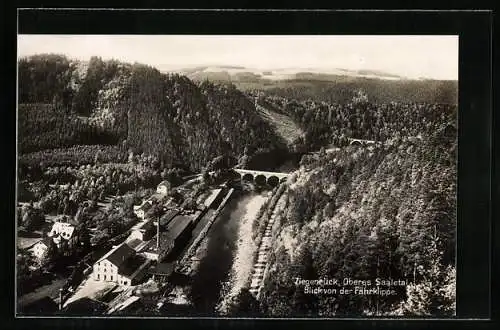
<point x="273" y="181"/>
<point x="356" y="143"/>
<point x="260" y="180"/>
<point x="247" y="177"/>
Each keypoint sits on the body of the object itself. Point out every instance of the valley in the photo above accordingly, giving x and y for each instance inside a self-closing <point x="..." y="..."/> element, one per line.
<point x="215" y="196"/>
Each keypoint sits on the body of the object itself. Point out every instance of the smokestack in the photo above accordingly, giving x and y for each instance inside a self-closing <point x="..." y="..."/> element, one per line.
<point x="60" y="298"/>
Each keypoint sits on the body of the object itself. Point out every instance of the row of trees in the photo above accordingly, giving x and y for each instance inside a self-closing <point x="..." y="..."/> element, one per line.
<point x="136" y="106"/>
<point x="30" y="217"/>
<point x="381" y="91"/>
<point x="32" y="165"/>
<point x="66" y="189"/>
<point x="187" y="124"/>
<point x="46" y="126"/>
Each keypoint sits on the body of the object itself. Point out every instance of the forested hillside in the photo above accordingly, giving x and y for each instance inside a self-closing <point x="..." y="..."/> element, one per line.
<point x="66" y="102"/>
<point x="385" y="212"/>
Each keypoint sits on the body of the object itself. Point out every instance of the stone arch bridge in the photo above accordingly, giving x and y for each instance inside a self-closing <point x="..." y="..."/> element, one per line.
<point x="262" y="177"/>
<point x="360" y="142"/>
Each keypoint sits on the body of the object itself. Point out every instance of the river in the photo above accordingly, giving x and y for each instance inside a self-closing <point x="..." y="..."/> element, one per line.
<point x="216" y="267"/>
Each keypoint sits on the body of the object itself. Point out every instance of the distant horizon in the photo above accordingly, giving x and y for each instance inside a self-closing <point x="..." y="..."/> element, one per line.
<point x="411" y="57"/>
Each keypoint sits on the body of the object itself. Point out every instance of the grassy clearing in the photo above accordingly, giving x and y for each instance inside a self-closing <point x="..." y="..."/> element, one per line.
<point x="284" y="125"/>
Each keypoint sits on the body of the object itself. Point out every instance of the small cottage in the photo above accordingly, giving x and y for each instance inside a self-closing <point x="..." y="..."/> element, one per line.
<point x="41" y="247"/>
<point x="63" y="231"/>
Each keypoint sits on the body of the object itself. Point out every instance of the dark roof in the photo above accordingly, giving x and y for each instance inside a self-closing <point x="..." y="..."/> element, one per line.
<point x="85" y="306"/>
<point x="177" y="226"/>
<point x="131" y="265"/>
<point x="163" y="268"/>
<point x="45" y="305"/>
<point x="120" y="254"/>
<point x="146" y="206"/>
<point x="167" y="217"/>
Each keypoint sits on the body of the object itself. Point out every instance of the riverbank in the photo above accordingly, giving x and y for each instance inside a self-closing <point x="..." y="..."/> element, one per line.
<point x="245" y="249"/>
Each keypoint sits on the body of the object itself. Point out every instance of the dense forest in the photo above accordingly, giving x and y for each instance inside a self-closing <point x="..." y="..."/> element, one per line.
<point x="381" y="91"/>
<point x="65" y="103"/>
<point x="360" y="118"/>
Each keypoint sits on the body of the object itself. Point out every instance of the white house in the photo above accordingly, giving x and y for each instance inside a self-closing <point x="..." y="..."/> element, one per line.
<point x="63" y="231"/>
<point x="120" y="265"/>
<point x="163" y="187"/>
<point x="140" y="210"/>
<point x="41" y="247"/>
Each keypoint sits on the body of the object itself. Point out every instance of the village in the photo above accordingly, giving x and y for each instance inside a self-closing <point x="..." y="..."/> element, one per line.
<point x="159" y="244"/>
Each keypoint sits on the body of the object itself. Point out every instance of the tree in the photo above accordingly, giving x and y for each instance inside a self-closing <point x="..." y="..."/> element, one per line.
<point x="244" y="304"/>
<point x="32" y="218"/>
<point x="97" y="157"/>
<point x="243" y="161"/>
<point x="435" y="294"/>
<point x="190" y="204"/>
<point x="217" y="163"/>
<point x="83" y="237"/>
<point x="177" y="197"/>
<point x="50" y="255"/>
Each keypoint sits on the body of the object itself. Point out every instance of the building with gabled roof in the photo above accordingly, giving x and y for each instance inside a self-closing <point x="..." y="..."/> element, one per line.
<point x="140" y="210"/>
<point x="144" y="231"/>
<point x="63" y="232"/>
<point x="39" y="307"/>
<point x="121" y="265"/>
<point x="168" y="217"/>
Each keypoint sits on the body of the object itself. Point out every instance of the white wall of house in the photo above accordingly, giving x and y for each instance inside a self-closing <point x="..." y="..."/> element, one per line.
<point x="63" y="229"/>
<point x="151" y="255"/>
<point x="137" y="234"/>
<point x="139" y="213"/>
<point x="106" y="271"/>
<point x="162" y="189"/>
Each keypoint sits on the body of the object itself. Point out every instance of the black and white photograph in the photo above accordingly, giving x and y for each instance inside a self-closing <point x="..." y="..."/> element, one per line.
<point x="236" y="176"/>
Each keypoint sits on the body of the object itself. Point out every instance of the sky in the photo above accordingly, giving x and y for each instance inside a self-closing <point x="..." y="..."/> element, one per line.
<point x="433" y="57"/>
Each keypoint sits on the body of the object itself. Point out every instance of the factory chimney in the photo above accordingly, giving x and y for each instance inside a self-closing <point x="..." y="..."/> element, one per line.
<point x="60" y="298"/>
<point x="158" y="234"/>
